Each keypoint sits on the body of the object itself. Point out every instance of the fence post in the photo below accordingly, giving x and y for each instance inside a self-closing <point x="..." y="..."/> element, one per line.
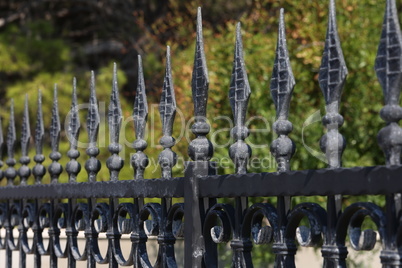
<point x="200" y="150"/>
<point x="388" y="66"/>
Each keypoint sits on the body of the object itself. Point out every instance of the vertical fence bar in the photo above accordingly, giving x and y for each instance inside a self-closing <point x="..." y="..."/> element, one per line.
<point x="200" y="151"/>
<point x="55" y="169"/>
<point x="240" y="152"/>
<point x="10" y="174"/>
<point x="92" y="165"/>
<point x="167" y="159"/>
<point x="38" y="171"/>
<point x="332" y="76"/>
<point x="388" y="66"/>
<point x="114" y="163"/>
<point x="24" y="172"/>
<point x="282" y="148"/>
<point x="73" y="167"/>
<point x="139" y="160"/>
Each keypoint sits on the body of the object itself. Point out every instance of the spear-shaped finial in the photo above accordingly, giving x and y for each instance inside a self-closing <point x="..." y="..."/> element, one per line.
<point x="283" y="81"/>
<point x="73" y="167"/>
<point x="239" y="94"/>
<point x="282" y="84"/>
<point x="55" y="167"/>
<point x="167" y="109"/>
<point x="115" y="162"/>
<point x="332" y="76"/>
<point x="24" y="171"/>
<point x="92" y="165"/>
<point x="139" y="160"/>
<point x="388" y="66"/>
<point x="200" y="149"/>
<point x="39" y="170"/>
<point x="11" y="173"/>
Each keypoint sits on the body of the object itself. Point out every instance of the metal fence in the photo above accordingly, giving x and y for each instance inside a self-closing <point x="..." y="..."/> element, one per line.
<point x="201" y="219"/>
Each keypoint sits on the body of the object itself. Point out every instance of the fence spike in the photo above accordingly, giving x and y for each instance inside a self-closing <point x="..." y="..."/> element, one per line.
<point x="200" y="149"/>
<point x="388" y="66"/>
<point x="167" y="109"/>
<point x="73" y="167"/>
<point x="39" y="170"/>
<point x="55" y="123"/>
<point x="92" y="165"/>
<point x="55" y="167"/>
<point x="115" y="162"/>
<point x="239" y="94"/>
<point x="93" y="118"/>
<point x="332" y="76"/>
<point x="24" y="171"/>
<point x="282" y="84"/>
<point x="139" y="160"/>
<point x="11" y="173"/>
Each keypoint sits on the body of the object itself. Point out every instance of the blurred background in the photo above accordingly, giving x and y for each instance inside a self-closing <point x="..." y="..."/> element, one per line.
<point x="43" y="42"/>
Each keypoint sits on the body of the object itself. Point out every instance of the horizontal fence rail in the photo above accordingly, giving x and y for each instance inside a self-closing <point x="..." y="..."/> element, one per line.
<point x="95" y="208"/>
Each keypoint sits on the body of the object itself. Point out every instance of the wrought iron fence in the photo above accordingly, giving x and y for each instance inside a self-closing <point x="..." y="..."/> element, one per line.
<point x="201" y="219"/>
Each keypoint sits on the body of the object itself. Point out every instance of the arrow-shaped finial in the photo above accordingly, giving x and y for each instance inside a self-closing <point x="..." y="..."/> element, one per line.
<point x="282" y="81"/>
<point x="140" y="112"/>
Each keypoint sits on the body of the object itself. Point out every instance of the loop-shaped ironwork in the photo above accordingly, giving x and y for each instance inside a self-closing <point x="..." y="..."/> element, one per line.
<point x="123" y="223"/>
<point x="60" y="219"/>
<point x="79" y="222"/>
<point x="43" y="220"/>
<point x="28" y="221"/>
<point x="99" y="224"/>
<point x="352" y="219"/>
<point x="13" y="221"/>
<point x="253" y="223"/>
<point x="223" y="213"/>
<point x="145" y="227"/>
<point x="316" y="217"/>
<point x="174" y="221"/>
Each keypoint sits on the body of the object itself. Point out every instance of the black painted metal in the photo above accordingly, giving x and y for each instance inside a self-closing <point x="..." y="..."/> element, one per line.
<point x="39" y="207"/>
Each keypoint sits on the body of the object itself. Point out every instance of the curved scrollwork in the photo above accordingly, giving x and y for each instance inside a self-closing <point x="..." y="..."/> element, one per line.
<point x="148" y="224"/>
<point x="99" y="224"/>
<point x="79" y="222"/>
<point x="123" y="222"/>
<point x="43" y="223"/>
<point x="14" y="216"/>
<point x="59" y="222"/>
<point x="174" y="223"/>
<point x="214" y="233"/>
<point x="28" y="221"/>
<point x="352" y="220"/>
<point x="253" y="223"/>
<point x="305" y="236"/>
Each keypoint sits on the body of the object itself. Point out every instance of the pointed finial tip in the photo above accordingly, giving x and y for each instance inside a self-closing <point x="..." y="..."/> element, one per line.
<point x="238" y="26"/>
<point x="199" y="20"/>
